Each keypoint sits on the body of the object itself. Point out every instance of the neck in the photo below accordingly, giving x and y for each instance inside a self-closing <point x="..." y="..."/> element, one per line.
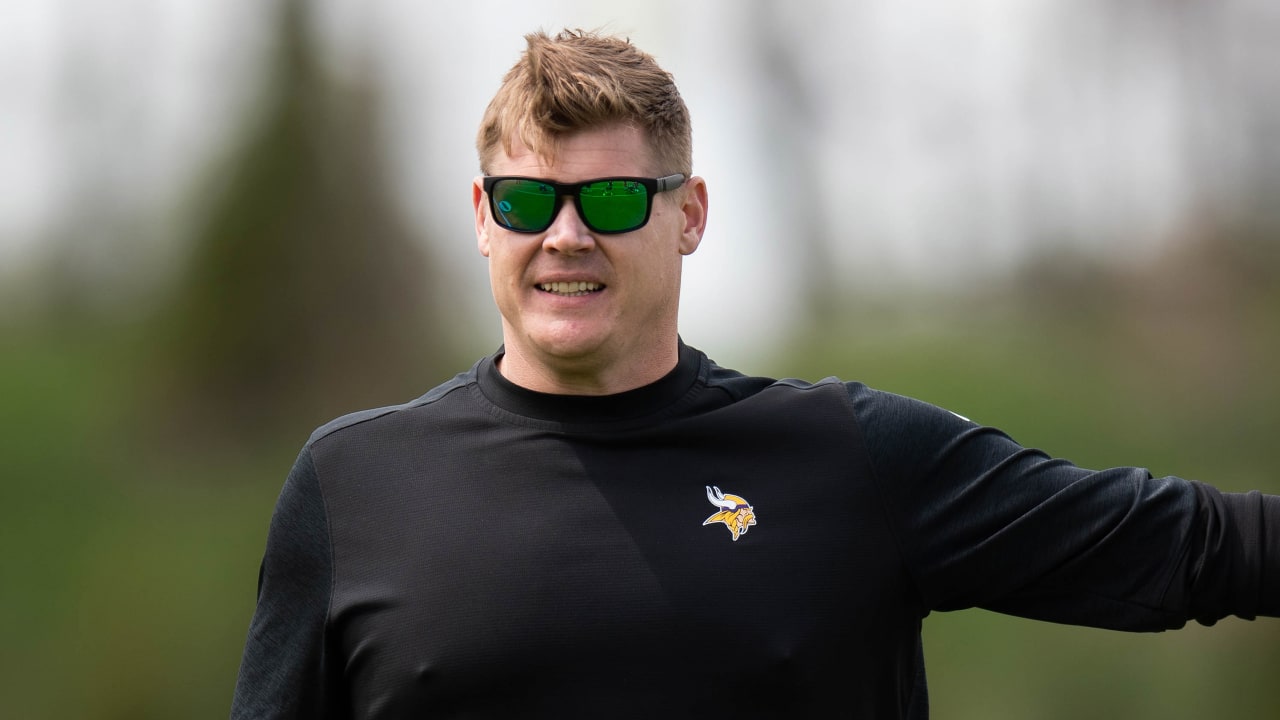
<point x="587" y="375"/>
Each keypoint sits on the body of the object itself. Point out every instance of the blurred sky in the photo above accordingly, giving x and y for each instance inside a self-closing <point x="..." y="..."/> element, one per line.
<point x="925" y="142"/>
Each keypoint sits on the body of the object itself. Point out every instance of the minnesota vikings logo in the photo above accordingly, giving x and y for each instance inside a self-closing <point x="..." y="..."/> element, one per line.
<point x="735" y="512"/>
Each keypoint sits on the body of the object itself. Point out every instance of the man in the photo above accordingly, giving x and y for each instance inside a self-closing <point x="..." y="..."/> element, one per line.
<point x="599" y="521"/>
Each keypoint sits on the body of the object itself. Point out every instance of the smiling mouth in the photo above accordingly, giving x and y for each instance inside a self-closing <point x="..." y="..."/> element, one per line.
<point x="571" y="289"/>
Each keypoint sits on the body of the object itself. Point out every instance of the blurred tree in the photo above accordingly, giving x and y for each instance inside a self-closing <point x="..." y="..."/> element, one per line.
<point x="305" y="294"/>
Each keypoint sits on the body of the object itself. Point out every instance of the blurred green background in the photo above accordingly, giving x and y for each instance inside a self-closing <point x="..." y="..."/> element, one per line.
<point x="144" y="441"/>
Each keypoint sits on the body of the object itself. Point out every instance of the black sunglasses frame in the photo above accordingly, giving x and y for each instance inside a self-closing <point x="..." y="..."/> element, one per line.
<point x="652" y="186"/>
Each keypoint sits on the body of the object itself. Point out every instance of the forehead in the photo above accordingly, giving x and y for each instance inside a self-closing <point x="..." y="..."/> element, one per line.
<point x="615" y="150"/>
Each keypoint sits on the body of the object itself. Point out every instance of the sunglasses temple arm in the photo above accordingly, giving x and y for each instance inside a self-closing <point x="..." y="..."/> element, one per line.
<point x="670" y="182"/>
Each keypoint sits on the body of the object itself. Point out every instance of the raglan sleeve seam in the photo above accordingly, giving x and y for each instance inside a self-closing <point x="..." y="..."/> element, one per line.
<point x="877" y="481"/>
<point x="287" y="670"/>
<point x="333" y="564"/>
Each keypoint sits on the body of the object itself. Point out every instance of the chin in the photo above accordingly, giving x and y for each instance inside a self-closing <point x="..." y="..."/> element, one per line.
<point x="571" y="350"/>
<point x="577" y="345"/>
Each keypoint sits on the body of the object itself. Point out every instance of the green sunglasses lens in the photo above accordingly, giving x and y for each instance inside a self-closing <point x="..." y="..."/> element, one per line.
<point x="614" y="205"/>
<point x="524" y="204"/>
<point x="608" y="205"/>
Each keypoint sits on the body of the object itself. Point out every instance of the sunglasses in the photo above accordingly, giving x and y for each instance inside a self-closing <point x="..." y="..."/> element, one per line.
<point x="606" y="205"/>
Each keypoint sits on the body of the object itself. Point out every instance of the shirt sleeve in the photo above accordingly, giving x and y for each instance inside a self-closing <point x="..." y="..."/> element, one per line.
<point x="985" y="522"/>
<point x="288" y="671"/>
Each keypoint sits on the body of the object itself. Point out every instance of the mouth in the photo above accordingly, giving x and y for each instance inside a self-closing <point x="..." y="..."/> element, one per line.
<point x="571" y="289"/>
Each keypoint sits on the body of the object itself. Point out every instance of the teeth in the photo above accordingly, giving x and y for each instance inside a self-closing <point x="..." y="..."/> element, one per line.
<point x="570" y="288"/>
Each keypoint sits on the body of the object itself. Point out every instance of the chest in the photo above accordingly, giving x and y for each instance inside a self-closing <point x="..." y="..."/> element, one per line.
<point x="525" y="558"/>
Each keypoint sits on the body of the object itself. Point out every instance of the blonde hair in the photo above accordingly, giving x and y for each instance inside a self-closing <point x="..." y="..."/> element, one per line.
<point x="580" y="80"/>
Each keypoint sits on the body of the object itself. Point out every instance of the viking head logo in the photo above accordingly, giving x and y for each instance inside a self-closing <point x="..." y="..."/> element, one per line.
<point x="735" y="512"/>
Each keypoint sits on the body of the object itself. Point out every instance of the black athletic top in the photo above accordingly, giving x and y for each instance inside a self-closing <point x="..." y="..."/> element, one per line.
<point x="711" y="543"/>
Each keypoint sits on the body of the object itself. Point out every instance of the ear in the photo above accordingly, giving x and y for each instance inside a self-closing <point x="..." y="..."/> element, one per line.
<point x="482" y="216"/>
<point x="694" y="210"/>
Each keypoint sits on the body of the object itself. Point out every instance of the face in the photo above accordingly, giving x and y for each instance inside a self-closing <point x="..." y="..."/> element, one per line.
<point x="585" y="312"/>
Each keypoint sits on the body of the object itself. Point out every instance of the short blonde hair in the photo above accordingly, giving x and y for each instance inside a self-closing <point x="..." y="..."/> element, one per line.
<point x="582" y="80"/>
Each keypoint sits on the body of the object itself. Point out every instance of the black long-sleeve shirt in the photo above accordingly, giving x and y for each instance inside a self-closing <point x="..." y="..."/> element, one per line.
<point x="488" y="551"/>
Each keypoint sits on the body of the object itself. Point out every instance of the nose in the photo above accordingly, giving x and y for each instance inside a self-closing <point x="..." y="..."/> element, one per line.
<point x="568" y="234"/>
